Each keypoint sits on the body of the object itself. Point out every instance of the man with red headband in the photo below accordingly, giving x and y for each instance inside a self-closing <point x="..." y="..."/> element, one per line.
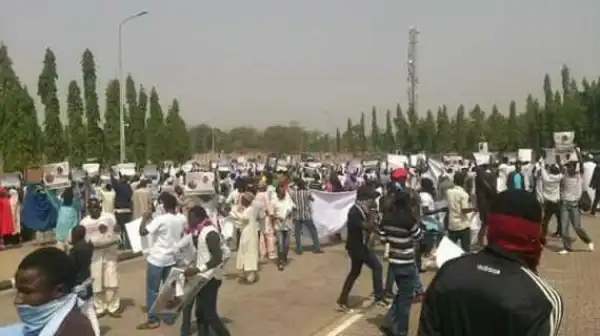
<point x="496" y="292"/>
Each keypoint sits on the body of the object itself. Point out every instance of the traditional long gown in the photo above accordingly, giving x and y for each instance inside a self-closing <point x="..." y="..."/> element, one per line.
<point x="247" y="254"/>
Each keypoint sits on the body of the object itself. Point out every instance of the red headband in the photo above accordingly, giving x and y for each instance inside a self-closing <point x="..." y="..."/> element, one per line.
<point x="518" y="235"/>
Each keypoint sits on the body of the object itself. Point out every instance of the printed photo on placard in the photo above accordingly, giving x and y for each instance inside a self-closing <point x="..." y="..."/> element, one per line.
<point x="56" y="175"/>
<point x="8" y="180"/>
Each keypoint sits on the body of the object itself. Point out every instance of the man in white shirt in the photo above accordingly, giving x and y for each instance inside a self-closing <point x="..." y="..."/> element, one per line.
<point x="104" y="234"/>
<point x="459" y="208"/>
<point x="166" y="230"/>
<point x="551" y="180"/>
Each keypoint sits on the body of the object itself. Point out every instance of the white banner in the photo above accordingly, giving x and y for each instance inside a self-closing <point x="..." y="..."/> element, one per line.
<point x="330" y="210"/>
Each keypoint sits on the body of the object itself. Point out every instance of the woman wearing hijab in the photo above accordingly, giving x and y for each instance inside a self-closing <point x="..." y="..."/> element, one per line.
<point x="246" y="221"/>
<point x="68" y="218"/>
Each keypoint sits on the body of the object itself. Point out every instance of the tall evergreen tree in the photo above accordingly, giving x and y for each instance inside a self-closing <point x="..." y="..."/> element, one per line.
<point x="443" y="138"/>
<point x="496" y="130"/>
<point x="48" y="93"/>
<point x="375" y="141"/>
<point x="338" y="140"/>
<point x="31" y="144"/>
<point x="112" y="122"/>
<point x="401" y="126"/>
<point x="155" y="128"/>
<point x="76" y="130"/>
<point x="350" y="143"/>
<point x="388" y="138"/>
<point x="177" y="138"/>
<point x="513" y="135"/>
<point x="461" y="128"/>
<point x="94" y="134"/>
<point x="362" y="133"/>
<point x="142" y="147"/>
<point x="136" y="135"/>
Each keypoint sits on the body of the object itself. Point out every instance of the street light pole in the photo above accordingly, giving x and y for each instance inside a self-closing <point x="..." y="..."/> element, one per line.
<point x="123" y="154"/>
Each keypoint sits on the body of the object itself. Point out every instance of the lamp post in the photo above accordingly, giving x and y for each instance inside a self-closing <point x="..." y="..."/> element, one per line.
<point x="123" y="154"/>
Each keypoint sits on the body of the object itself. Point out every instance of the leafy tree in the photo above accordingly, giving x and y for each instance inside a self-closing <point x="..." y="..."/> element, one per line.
<point x="47" y="91"/>
<point x="76" y="130"/>
<point x="94" y="134"/>
<point x="375" y="141"/>
<point x="155" y="130"/>
<point x="177" y="135"/>
<point x="112" y="122"/>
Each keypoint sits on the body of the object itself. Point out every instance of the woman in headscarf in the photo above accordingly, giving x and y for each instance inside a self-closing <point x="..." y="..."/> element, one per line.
<point x="67" y="219"/>
<point x="246" y="221"/>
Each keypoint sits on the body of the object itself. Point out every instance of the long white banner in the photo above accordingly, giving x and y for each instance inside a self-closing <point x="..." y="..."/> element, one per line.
<point x="330" y="210"/>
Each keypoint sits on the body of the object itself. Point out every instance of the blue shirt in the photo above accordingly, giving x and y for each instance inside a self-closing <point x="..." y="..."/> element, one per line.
<point x="517" y="180"/>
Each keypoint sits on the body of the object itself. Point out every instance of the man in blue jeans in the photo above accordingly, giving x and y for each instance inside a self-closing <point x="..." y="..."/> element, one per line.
<point x="302" y="216"/>
<point x="166" y="231"/>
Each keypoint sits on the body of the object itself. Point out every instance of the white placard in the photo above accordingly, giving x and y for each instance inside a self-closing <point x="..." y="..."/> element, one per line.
<point x="199" y="183"/>
<point x="127" y="168"/>
<point x="482" y="147"/>
<point x="525" y="155"/>
<point x="56" y="175"/>
<point x="447" y="250"/>
<point x="10" y="180"/>
<point x="397" y="161"/>
<point x="91" y="168"/>
<point x="138" y="243"/>
<point x="564" y="141"/>
<point x="482" y="158"/>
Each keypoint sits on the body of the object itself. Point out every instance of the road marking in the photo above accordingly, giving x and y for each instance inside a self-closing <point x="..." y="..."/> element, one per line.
<point x="345" y="325"/>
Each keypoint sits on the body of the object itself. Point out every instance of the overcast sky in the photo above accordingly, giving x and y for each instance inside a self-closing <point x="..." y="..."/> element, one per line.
<point x="317" y="62"/>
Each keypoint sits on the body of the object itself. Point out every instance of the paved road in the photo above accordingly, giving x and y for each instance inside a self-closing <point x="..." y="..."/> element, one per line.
<point x="576" y="276"/>
<point x="300" y="301"/>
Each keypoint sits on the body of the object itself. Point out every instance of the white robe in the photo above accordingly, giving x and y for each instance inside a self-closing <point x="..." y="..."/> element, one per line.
<point x="247" y="254"/>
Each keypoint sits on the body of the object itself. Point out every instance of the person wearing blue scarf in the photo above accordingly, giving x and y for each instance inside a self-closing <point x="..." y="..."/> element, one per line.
<point x="45" y="300"/>
<point x="40" y="211"/>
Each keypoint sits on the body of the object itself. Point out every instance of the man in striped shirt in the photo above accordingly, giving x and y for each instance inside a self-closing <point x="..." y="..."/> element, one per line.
<point x="302" y="215"/>
<point x="400" y="228"/>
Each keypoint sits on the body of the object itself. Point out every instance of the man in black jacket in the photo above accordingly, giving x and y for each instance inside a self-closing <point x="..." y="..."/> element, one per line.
<point x="496" y="292"/>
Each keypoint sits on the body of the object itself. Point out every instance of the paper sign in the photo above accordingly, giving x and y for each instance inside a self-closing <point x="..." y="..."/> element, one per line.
<point x="482" y="147"/>
<point x="126" y="169"/>
<point x="91" y="168"/>
<point x="564" y="141"/>
<point x="481" y="158"/>
<point x="138" y="243"/>
<point x="56" y="175"/>
<point x="525" y="155"/>
<point x="199" y="183"/>
<point x="447" y="250"/>
<point x="10" y="180"/>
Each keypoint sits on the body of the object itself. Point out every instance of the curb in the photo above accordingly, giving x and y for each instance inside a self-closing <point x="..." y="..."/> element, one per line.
<point x="8" y="284"/>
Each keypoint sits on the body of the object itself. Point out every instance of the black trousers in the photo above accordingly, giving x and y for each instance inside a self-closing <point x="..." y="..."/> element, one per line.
<point x="595" y="202"/>
<point x="122" y="219"/>
<point x="551" y="209"/>
<point x="207" y="317"/>
<point x="357" y="260"/>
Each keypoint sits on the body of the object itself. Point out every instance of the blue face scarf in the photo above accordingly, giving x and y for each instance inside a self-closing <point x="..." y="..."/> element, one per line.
<point x="35" y="318"/>
<point x="399" y="186"/>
